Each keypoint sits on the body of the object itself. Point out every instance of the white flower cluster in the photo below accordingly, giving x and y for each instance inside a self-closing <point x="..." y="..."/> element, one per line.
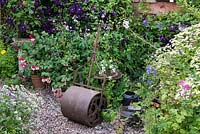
<point x="126" y="24"/>
<point x="107" y="68"/>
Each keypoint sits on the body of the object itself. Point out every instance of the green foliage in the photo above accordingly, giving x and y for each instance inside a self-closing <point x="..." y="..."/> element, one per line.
<point x="56" y="55"/>
<point x="14" y="114"/>
<point x="8" y="63"/>
<point x="191" y="6"/>
<point x="113" y="91"/>
<point x="173" y="77"/>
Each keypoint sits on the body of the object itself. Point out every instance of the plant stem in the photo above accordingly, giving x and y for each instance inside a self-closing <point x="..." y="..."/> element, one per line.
<point x="142" y="39"/>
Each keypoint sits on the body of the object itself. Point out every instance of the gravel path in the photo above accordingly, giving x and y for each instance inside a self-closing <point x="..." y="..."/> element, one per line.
<point x="47" y="118"/>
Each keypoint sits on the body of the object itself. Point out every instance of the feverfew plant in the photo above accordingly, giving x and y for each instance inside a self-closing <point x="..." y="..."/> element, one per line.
<point x="176" y="85"/>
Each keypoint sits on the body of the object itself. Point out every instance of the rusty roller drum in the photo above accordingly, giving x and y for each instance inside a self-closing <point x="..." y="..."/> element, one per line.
<point x="82" y="105"/>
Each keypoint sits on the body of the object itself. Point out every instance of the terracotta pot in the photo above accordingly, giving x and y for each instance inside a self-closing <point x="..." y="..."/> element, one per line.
<point x="37" y="82"/>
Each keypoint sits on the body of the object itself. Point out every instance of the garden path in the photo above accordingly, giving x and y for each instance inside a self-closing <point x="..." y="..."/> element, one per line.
<point x="46" y="116"/>
<point x="48" y="119"/>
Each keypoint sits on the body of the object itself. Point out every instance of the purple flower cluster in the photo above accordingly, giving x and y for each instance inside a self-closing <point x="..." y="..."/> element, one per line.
<point x="151" y="70"/>
<point x="3" y="2"/>
<point x="164" y="39"/>
<point x="45" y="15"/>
<point x="76" y="9"/>
<point x="48" y="27"/>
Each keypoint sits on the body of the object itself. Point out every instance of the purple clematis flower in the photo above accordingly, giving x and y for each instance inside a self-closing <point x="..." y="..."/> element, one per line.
<point x="22" y="27"/>
<point x="79" y="11"/>
<point x="9" y="21"/>
<point x="173" y="27"/>
<point x="37" y="3"/>
<point x="72" y="9"/>
<point x="3" y="2"/>
<point x="164" y="39"/>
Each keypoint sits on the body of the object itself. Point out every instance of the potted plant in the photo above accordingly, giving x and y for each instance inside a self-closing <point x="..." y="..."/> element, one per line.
<point x="36" y="79"/>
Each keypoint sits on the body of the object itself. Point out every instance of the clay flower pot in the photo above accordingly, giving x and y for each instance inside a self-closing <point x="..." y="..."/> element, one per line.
<point x="37" y="82"/>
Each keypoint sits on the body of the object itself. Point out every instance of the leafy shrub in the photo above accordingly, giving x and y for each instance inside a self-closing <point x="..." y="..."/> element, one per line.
<point x="14" y="114"/>
<point x="191" y="6"/>
<point x="173" y="77"/>
<point x="8" y="64"/>
<point x="56" y="55"/>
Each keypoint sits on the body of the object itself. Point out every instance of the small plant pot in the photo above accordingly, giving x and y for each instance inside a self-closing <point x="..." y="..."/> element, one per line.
<point x="37" y="82"/>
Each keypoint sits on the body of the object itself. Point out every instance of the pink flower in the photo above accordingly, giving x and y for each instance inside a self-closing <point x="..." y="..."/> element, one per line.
<point x="48" y="80"/>
<point x="186" y="87"/>
<point x="22" y="65"/>
<point x="191" y="95"/>
<point x="35" y="68"/>
<point x="44" y="79"/>
<point x="181" y="83"/>
<point x="32" y="39"/>
<point x="21" y="59"/>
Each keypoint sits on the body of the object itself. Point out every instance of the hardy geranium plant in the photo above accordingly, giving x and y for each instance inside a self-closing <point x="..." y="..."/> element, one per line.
<point x="173" y="77"/>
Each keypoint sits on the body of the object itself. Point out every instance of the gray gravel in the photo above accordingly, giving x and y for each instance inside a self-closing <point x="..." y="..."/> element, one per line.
<point x="48" y="119"/>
